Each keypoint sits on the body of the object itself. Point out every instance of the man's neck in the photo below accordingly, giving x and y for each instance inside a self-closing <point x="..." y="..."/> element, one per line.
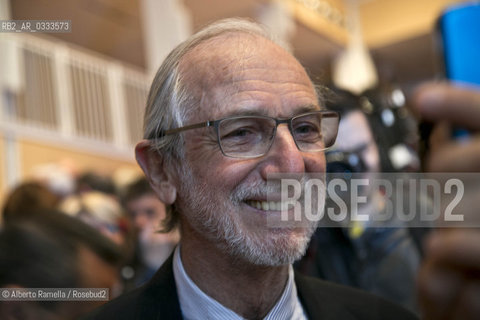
<point x="249" y="290"/>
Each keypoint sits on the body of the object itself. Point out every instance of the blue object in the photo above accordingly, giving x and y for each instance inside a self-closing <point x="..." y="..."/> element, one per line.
<point x="460" y="32"/>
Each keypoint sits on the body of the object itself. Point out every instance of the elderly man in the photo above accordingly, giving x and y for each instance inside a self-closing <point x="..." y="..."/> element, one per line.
<point x="227" y="108"/>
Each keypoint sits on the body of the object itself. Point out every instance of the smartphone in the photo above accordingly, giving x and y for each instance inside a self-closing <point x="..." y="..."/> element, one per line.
<point x="457" y="41"/>
<point x="458" y="38"/>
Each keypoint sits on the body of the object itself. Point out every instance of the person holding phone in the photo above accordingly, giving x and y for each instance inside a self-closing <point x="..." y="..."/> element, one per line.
<point x="449" y="279"/>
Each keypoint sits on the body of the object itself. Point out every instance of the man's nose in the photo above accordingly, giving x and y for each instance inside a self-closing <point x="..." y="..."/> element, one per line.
<point x="283" y="156"/>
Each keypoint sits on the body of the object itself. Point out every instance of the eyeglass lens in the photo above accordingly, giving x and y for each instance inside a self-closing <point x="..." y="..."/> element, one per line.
<point x="252" y="136"/>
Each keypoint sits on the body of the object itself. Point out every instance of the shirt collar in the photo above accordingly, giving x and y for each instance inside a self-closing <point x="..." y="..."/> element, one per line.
<point x="195" y="304"/>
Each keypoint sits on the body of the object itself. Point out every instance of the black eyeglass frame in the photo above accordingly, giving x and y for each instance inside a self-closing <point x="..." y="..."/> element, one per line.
<point x="215" y="124"/>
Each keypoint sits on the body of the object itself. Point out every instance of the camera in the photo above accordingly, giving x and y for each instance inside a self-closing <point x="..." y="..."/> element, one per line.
<point x="339" y="161"/>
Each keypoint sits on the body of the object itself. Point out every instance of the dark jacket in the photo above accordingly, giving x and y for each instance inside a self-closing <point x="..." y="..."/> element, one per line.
<point x="157" y="299"/>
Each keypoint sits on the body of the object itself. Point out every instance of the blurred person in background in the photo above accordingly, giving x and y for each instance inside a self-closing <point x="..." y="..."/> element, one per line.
<point x="148" y="213"/>
<point x="59" y="177"/>
<point x="26" y="198"/>
<point x="53" y="250"/>
<point x="91" y="181"/>
<point x="104" y="213"/>
<point x="101" y="211"/>
<point x="384" y="259"/>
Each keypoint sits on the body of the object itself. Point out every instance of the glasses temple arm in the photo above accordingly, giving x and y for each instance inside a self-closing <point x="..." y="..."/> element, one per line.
<point x="192" y="126"/>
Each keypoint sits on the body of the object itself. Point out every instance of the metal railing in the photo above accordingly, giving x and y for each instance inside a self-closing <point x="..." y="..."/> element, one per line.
<point x="74" y="94"/>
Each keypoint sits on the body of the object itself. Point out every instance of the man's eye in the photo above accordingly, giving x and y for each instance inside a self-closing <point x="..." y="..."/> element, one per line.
<point x="307" y="129"/>
<point x="238" y="133"/>
<point x="244" y="136"/>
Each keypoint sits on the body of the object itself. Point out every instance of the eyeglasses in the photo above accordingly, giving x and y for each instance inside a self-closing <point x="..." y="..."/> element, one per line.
<point x="253" y="136"/>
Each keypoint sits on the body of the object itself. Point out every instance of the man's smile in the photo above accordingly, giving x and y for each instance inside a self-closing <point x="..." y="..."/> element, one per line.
<point x="269" y="205"/>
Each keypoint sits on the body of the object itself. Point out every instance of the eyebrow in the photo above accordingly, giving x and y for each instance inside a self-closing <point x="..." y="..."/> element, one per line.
<point x="263" y="111"/>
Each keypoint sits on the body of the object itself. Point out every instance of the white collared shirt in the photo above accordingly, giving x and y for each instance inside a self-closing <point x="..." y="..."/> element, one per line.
<point x="195" y="304"/>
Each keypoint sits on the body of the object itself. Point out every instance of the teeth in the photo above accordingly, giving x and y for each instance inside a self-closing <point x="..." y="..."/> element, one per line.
<point x="270" y="205"/>
<point x="265" y="205"/>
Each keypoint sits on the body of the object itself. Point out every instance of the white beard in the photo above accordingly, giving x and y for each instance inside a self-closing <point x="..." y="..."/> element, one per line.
<point x="215" y="220"/>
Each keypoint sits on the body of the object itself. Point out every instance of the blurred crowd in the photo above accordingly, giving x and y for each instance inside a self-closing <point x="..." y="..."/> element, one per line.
<point x="65" y="230"/>
<point x="68" y="229"/>
<point x="377" y="134"/>
<point x="61" y="230"/>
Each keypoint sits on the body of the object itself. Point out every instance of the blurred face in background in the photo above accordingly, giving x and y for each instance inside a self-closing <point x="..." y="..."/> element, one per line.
<point x="99" y="210"/>
<point x="354" y="133"/>
<point x="356" y="138"/>
<point x="146" y="211"/>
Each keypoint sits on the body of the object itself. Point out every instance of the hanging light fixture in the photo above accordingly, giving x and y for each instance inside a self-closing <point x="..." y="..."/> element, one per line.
<point x="353" y="69"/>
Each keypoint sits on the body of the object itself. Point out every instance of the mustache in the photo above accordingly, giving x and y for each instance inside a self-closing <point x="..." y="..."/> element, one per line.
<point x="260" y="189"/>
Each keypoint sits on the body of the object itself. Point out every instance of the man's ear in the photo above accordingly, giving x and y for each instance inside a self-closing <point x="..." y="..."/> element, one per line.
<point x="156" y="170"/>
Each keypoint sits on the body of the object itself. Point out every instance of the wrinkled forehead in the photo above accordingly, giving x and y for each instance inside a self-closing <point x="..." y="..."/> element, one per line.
<point x="210" y="62"/>
<point x="235" y="62"/>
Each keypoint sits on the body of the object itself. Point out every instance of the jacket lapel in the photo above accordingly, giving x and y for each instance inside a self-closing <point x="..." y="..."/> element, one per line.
<point x="159" y="299"/>
<point x="317" y="302"/>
